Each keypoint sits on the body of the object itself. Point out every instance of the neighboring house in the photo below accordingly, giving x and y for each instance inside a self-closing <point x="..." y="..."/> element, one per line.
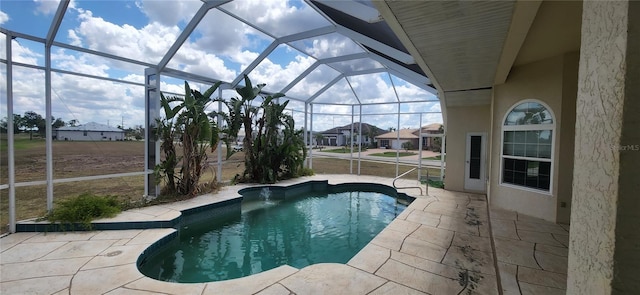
<point x="429" y="142"/>
<point x="340" y="136"/>
<point x="89" y="132"/>
<point x="390" y="140"/>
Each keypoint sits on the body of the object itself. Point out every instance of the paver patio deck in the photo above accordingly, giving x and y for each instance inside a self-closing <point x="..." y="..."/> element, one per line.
<point x="441" y="244"/>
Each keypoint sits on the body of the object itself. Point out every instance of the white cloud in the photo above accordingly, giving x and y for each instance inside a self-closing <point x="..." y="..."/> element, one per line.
<point x="280" y="18"/>
<point x="218" y="40"/>
<point x="169" y="13"/>
<point x="3" y="17"/>
<point x="46" y="7"/>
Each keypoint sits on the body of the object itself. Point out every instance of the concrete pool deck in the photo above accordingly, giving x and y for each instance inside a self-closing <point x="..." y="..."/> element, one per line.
<point x="444" y="243"/>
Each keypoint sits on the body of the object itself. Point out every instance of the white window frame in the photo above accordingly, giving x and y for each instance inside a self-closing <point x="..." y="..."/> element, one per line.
<point x="531" y="127"/>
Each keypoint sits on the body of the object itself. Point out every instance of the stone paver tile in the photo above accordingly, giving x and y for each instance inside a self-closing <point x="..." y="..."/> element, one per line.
<point x="29" y="252"/>
<point x="125" y="291"/>
<point x="550" y="262"/>
<point x="116" y="234"/>
<point x="389" y="239"/>
<point x="125" y="216"/>
<point x="538" y="237"/>
<point x="504" y="228"/>
<point x="62" y="237"/>
<point x="479" y="283"/>
<point x="459" y="225"/>
<point x="422" y="217"/>
<point x="254" y="283"/>
<point x="36" y="269"/>
<point x="541" y="277"/>
<point x="419" y="279"/>
<point x="508" y="278"/>
<point x="531" y="289"/>
<point x="152" y="210"/>
<point x="150" y="236"/>
<point x="370" y="258"/>
<point x="474" y="242"/>
<point x="452" y="213"/>
<point x="46" y="285"/>
<point x="565" y="226"/>
<point x="11" y="240"/>
<point x="62" y="292"/>
<point x="404" y="214"/>
<point x="440" y="237"/>
<point x="403" y="226"/>
<point x="169" y="215"/>
<point x="503" y="214"/>
<point x="547" y="227"/>
<point x="391" y="288"/>
<point x="465" y="257"/>
<point x="331" y="278"/>
<point x="420" y="203"/>
<point x="562" y="239"/>
<point x="515" y="252"/>
<point x="560" y="251"/>
<point x="151" y="285"/>
<point x="101" y="280"/>
<point x="79" y="249"/>
<point x="484" y="229"/>
<point x="116" y="255"/>
<point x="443" y="208"/>
<point x="275" y="289"/>
<point x="478" y="204"/>
<point x="420" y="248"/>
<point x="528" y="218"/>
<point x="427" y="265"/>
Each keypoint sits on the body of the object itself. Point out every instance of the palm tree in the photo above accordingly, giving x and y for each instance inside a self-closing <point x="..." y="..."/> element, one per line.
<point x="185" y="118"/>
<point x="272" y="147"/>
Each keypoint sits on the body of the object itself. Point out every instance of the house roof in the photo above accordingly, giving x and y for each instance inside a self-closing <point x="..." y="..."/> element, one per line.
<point x="410" y="133"/>
<point x="365" y="128"/>
<point x="91" y="126"/>
<point x="431" y="127"/>
<point x="404" y="134"/>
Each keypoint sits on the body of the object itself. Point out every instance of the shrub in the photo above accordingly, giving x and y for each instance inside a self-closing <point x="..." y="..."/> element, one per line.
<point x="84" y="208"/>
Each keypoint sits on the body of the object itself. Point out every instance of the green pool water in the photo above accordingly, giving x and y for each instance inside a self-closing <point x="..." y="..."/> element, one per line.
<point x="316" y="228"/>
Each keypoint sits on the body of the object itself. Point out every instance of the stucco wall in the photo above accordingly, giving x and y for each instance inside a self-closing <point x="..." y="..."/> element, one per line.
<point x="567" y="140"/>
<point x="543" y="81"/>
<point x="604" y="252"/>
<point x="460" y="121"/>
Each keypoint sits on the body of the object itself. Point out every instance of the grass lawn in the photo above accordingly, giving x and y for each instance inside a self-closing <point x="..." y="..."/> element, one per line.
<point x="438" y="157"/>
<point x="393" y="154"/>
<point x="338" y="150"/>
<point x="75" y="159"/>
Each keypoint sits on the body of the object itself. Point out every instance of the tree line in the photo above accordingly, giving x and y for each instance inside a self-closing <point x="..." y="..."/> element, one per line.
<point x="32" y="122"/>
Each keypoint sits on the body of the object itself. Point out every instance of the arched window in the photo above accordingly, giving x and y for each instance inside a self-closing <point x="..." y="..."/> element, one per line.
<point x="527" y="146"/>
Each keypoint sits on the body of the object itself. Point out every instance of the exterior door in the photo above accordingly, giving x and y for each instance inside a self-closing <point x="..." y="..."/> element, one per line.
<point x="474" y="172"/>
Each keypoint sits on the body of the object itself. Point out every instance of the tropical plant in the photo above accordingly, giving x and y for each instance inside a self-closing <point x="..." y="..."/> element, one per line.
<point x="437" y="141"/>
<point x="186" y="120"/>
<point x="319" y="137"/>
<point x="273" y="148"/>
<point x="407" y="145"/>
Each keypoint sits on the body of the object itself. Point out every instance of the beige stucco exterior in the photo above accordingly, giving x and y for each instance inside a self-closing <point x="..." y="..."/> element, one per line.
<point x="463" y="120"/>
<point x="548" y="81"/>
<point x="604" y="250"/>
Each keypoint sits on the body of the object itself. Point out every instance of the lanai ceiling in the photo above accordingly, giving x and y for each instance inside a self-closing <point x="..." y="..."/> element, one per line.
<point x="460" y="43"/>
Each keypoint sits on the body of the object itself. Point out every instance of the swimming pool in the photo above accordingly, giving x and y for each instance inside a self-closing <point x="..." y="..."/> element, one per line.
<point x="273" y="227"/>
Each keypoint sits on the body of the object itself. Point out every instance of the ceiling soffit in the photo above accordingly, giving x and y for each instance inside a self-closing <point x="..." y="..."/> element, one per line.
<point x="460" y="41"/>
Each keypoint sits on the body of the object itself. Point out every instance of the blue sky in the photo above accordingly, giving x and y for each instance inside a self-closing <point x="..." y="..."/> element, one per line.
<point x="221" y="47"/>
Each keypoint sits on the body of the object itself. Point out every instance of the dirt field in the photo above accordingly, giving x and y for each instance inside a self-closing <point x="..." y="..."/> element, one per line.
<point x="75" y="159"/>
